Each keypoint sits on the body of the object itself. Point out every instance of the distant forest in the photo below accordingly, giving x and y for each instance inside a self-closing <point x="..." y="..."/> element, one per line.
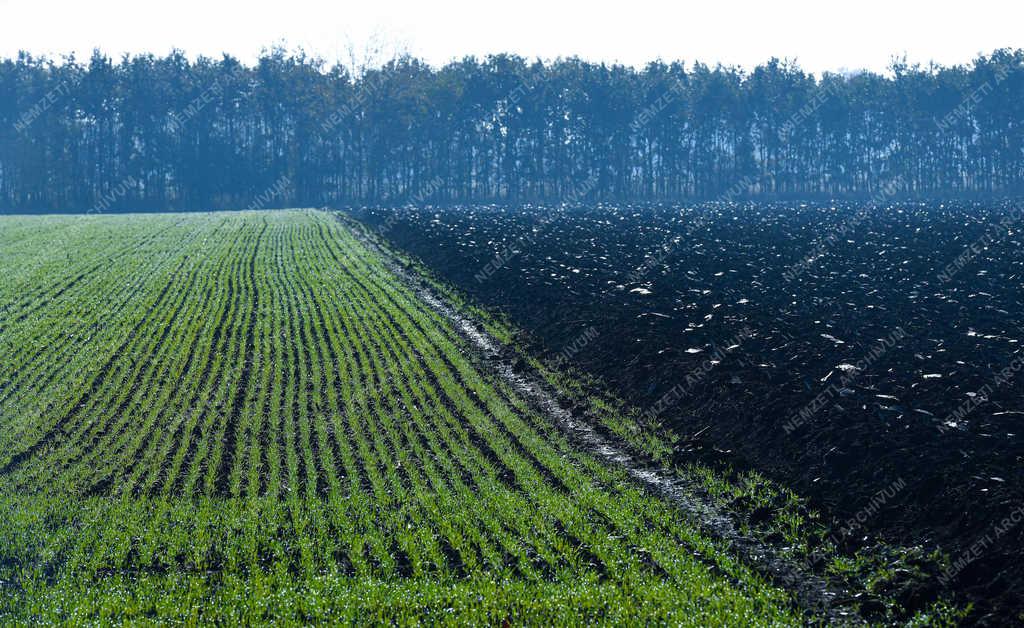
<point x="152" y="133"/>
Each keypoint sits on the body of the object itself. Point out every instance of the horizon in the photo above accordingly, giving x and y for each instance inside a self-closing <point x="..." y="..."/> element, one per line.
<point x="871" y="38"/>
<point x="365" y="64"/>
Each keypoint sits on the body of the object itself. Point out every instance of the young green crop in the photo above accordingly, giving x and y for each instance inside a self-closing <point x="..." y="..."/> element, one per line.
<point x="241" y="417"/>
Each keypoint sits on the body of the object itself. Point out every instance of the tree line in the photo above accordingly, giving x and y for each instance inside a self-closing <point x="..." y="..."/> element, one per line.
<point x="149" y="133"/>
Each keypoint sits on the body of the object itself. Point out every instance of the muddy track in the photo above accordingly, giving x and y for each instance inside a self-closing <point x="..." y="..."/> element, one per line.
<point x="811" y="592"/>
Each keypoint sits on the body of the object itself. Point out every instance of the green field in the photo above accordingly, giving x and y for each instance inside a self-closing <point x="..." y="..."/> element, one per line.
<point x="246" y="416"/>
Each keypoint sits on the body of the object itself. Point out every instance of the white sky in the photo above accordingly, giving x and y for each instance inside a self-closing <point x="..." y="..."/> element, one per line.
<point x="820" y="35"/>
